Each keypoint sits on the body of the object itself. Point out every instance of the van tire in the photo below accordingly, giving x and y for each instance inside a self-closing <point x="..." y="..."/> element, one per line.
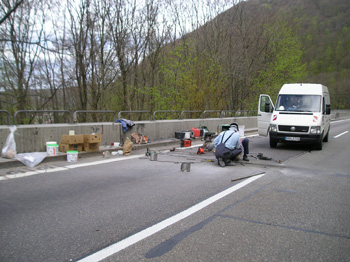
<point x="325" y="139"/>
<point x="273" y="143"/>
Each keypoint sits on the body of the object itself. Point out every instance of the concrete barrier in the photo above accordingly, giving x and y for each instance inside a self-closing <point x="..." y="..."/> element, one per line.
<point x="33" y="138"/>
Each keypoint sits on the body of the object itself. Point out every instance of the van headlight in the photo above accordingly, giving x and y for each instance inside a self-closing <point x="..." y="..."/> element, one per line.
<point x="315" y="130"/>
<point x="273" y="128"/>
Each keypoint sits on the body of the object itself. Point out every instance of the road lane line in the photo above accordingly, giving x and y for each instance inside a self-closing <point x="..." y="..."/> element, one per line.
<point x="115" y="248"/>
<point x="65" y="168"/>
<point x="103" y="161"/>
<point x="341" y="134"/>
<point x="31" y="173"/>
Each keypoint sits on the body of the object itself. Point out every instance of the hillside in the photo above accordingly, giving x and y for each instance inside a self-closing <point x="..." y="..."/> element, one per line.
<point x="255" y="47"/>
<point x="323" y="26"/>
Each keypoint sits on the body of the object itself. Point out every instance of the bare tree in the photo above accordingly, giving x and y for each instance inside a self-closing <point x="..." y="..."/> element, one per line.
<point x="7" y="9"/>
<point x="123" y="24"/>
<point x="102" y="55"/>
<point x="80" y="24"/>
<point x="21" y="34"/>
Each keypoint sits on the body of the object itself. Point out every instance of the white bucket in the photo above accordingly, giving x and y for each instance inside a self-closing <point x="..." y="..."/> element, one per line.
<point x="51" y="149"/>
<point x="72" y="156"/>
<point x="187" y="134"/>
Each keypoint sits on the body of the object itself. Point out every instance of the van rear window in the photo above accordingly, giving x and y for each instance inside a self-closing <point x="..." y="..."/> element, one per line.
<point x="299" y="103"/>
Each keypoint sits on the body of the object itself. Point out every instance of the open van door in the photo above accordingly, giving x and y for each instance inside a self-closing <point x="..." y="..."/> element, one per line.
<point x="265" y="110"/>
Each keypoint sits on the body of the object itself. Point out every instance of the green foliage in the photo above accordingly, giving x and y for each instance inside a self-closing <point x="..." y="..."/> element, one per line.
<point x="284" y="59"/>
<point x="191" y="81"/>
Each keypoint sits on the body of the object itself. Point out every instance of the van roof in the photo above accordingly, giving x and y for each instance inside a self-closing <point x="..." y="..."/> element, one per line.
<point x="303" y="88"/>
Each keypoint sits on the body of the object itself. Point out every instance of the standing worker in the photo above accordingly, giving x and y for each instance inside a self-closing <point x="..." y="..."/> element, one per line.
<point x="228" y="146"/>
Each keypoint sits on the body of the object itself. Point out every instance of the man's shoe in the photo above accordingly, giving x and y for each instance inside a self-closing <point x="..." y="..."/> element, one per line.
<point x="230" y="163"/>
<point x="221" y="162"/>
<point x="245" y="158"/>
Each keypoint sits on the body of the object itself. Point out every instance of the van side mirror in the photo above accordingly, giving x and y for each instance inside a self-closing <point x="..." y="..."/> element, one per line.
<point x="268" y="108"/>
<point x="328" y="109"/>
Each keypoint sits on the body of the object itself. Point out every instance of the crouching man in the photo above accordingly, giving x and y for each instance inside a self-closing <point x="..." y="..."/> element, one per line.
<point x="228" y="146"/>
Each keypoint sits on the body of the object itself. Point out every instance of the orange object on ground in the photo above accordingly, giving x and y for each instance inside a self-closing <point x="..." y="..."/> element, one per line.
<point x="196" y="132"/>
<point x="200" y="151"/>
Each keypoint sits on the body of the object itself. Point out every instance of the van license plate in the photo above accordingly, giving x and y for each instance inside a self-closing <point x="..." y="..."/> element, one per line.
<point x="292" y="138"/>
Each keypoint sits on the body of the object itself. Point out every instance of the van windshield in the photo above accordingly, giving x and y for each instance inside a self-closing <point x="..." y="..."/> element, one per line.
<point x="299" y="103"/>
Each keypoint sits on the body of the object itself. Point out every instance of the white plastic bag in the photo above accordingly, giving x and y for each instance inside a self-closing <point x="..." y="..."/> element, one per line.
<point x="31" y="159"/>
<point x="9" y="150"/>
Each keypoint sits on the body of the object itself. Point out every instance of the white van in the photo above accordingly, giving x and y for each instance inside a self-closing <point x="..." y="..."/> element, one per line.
<point x="302" y="115"/>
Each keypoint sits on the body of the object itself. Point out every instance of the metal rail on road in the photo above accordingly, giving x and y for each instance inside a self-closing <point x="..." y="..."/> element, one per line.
<point x="8" y="116"/>
<point x="92" y="111"/>
<point x="40" y="111"/>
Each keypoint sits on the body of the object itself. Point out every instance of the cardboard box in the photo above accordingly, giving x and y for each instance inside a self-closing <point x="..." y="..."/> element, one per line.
<point x="72" y="140"/>
<point x="70" y="147"/>
<point x="91" y="147"/>
<point x="97" y="138"/>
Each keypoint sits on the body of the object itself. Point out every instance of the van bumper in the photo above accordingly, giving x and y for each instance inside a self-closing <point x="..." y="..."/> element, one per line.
<point x="288" y="138"/>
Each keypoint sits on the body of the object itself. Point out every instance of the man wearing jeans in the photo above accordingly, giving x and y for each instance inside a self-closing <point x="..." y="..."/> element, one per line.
<point x="231" y="139"/>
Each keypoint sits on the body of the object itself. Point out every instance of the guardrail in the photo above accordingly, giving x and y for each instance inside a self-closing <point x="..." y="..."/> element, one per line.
<point x="137" y="111"/>
<point x="183" y="112"/>
<point x="152" y="116"/>
<point x="41" y="111"/>
<point x="212" y="111"/>
<point x="166" y="111"/>
<point x="75" y="114"/>
<point x="8" y="116"/>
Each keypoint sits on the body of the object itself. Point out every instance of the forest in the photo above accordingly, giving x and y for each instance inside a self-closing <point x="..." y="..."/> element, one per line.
<point x="169" y="55"/>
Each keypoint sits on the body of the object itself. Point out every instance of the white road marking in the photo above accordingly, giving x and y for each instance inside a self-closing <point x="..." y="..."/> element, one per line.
<point x="65" y="168"/>
<point x="115" y="248"/>
<point x="341" y="134"/>
<point x="103" y="161"/>
<point x="337" y="121"/>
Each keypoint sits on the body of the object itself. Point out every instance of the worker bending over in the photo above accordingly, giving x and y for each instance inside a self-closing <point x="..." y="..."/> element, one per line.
<point x="228" y="146"/>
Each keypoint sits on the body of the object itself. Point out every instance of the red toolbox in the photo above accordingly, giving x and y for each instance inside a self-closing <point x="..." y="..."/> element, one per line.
<point x="186" y="143"/>
<point x="196" y="132"/>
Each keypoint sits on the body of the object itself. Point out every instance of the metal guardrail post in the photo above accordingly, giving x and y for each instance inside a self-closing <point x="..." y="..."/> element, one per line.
<point x="91" y="111"/>
<point x="8" y="116"/>
<point x="223" y="112"/>
<point x="40" y="111"/>
<point x="165" y="111"/>
<point x="182" y="113"/>
<point x="210" y="111"/>
<point x="240" y="112"/>
<point x="137" y="111"/>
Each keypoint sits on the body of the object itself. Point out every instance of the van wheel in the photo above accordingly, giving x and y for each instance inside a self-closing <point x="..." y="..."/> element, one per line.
<point x="325" y="139"/>
<point x="273" y="143"/>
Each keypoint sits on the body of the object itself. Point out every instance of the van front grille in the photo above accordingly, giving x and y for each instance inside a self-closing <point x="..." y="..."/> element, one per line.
<point x="299" y="129"/>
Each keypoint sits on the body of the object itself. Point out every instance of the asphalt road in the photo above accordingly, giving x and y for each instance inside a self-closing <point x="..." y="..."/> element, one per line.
<point x="295" y="207"/>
